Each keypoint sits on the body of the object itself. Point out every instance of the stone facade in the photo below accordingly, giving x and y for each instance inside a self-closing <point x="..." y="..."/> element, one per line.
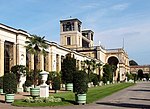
<point x="136" y="68"/>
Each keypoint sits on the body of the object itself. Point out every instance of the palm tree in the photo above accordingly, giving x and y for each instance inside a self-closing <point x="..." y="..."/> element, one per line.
<point x="98" y="65"/>
<point x="91" y="66"/>
<point x="36" y="45"/>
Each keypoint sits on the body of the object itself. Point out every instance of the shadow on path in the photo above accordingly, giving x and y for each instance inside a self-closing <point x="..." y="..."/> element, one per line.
<point x="140" y="99"/>
<point x="2" y="101"/>
<point x="127" y="105"/>
<point x="140" y="90"/>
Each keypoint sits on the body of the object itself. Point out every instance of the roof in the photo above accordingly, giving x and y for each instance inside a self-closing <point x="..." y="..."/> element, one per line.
<point x="70" y="19"/>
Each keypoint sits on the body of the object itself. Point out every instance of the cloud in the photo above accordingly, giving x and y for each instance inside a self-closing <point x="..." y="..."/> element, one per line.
<point x="120" y="7"/>
<point x="90" y="6"/>
<point x="132" y="34"/>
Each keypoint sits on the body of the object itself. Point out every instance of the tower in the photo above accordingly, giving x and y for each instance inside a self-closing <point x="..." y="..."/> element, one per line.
<point x="87" y="38"/>
<point x="70" y="33"/>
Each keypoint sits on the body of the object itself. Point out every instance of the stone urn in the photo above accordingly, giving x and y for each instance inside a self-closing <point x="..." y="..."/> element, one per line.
<point x="44" y="75"/>
<point x="44" y="88"/>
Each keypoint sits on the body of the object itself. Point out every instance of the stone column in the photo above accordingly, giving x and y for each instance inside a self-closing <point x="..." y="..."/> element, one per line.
<point x="59" y="63"/>
<point x="42" y="62"/>
<point x="14" y="54"/>
<point x="53" y="61"/>
<point x="79" y="65"/>
<point x="1" y="58"/>
<point x="49" y="62"/>
<point x="76" y="26"/>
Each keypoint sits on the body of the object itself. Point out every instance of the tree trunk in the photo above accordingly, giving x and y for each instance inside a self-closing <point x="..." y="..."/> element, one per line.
<point x="35" y="69"/>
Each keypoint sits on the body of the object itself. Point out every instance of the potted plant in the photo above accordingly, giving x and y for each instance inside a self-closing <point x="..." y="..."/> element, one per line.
<point x="32" y="80"/>
<point x="80" y="86"/>
<point x="10" y="87"/>
<point x="36" y="45"/>
<point x="1" y="85"/>
<point x="68" y="69"/>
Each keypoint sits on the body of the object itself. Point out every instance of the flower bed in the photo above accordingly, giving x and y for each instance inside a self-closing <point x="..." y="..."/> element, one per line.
<point x="42" y="99"/>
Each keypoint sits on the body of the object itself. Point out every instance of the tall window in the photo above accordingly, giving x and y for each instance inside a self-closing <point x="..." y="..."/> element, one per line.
<point x="57" y="62"/>
<point x="68" y="41"/>
<point x="8" y="56"/>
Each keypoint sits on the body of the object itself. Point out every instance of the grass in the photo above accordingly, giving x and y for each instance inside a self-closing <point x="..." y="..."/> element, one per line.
<point x="93" y="94"/>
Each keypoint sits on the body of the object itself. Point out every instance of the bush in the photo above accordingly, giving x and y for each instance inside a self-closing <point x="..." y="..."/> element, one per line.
<point x="56" y="83"/>
<point x="1" y="82"/>
<point x="80" y="82"/>
<point x="95" y="80"/>
<point x="10" y="83"/>
<point x="28" y="83"/>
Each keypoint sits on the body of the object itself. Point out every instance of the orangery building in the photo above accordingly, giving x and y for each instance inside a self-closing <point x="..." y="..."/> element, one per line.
<point x="73" y="40"/>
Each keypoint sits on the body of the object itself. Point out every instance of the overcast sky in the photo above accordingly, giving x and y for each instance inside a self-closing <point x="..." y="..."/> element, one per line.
<point x="111" y="20"/>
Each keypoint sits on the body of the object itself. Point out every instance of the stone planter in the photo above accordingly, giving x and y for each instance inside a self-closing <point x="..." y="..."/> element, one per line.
<point x="35" y="92"/>
<point x="1" y="91"/>
<point x="9" y="98"/>
<point x="69" y="86"/>
<point x="80" y="98"/>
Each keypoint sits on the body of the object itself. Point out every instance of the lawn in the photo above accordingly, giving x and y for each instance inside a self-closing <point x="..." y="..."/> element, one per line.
<point x="93" y="94"/>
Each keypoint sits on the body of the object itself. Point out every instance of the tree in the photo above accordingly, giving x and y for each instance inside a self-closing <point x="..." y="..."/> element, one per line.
<point x="68" y="68"/>
<point x="140" y="74"/>
<point x="132" y="63"/>
<point x="107" y="76"/>
<point x="95" y="79"/>
<point x="56" y="83"/>
<point x="36" y="45"/>
<point x="99" y="71"/>
<point x="147" y="76"/>
<point x="129" y="76"/>
<point x="90" y="67"/>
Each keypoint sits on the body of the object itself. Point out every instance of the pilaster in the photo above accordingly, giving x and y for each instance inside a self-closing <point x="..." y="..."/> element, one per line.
<point x="42" y="62"/>
<point x="1" y="58"/>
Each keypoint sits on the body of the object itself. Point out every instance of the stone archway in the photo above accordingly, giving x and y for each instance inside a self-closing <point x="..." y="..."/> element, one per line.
<point x="113" y="61"/>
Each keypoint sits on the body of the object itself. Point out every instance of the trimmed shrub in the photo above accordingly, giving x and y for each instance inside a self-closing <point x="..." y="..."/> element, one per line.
<point x="56" y="83"/>
<point x="108" y="74"/>
<point x="104" y="79"/>
<point x="10" y="83"/>
<point x="1" y="82"/>
<point x="68" y="68"/>
<point x="95" y="80"/>
<point x="80" y="82"/>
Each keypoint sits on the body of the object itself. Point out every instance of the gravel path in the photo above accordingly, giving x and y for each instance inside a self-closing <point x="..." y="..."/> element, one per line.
<point x="135" y="97"/>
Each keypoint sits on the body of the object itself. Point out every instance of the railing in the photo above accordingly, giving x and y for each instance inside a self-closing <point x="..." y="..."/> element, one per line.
<point x="114" y="50"/>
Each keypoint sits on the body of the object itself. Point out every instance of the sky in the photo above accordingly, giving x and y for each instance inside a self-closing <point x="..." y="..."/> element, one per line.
<point x="113" y="21"/>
